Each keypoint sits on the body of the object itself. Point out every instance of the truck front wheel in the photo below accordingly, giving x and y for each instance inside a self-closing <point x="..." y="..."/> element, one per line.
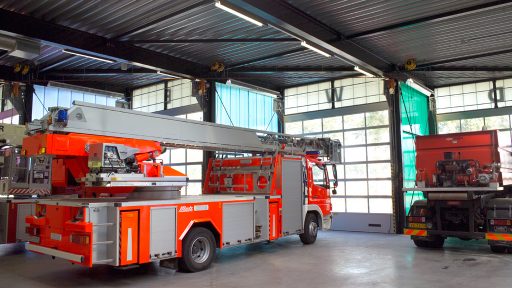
<point x="198" y="250"/>
<point x="437" y="243"/>
<point x="310" y="229"/>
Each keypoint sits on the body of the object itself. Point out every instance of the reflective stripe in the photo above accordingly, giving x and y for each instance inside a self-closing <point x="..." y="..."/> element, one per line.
<point x="129" y="247"/>
<point x="498" y="236"/>
<point x="415" y="232"/>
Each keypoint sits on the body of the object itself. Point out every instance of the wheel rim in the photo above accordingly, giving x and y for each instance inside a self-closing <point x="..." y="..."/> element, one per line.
<point x="313" y="228"/>
<point x="200" y="249"/>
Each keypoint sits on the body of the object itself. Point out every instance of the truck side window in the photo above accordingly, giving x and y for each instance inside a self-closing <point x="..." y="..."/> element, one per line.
<point x="318" y="175"/>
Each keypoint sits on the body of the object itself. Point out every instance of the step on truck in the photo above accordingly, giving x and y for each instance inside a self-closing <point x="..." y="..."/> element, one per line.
<point x="132" y="212"/>
<point x="466" y="180"/>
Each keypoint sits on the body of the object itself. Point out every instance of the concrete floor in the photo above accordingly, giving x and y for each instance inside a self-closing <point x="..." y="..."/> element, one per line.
<point x="337" y="259"/>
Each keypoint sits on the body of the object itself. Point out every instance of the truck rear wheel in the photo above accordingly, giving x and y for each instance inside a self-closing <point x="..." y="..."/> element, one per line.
<point x="198" y="250"/>
<point x="435" y="243"/>
<point x="310" y="229"/>
<point x="498" y="249"/>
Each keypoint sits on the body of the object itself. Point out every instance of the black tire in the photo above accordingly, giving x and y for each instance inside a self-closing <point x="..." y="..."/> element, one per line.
<point x="310" y="229"/>
<point x="198" y="250"/>
<point x="498" y="249"/>
<point x="435" y="244"/>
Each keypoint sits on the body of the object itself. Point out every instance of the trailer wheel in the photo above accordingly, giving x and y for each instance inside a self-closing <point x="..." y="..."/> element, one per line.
<point x="198" y="250"/>
<point x="436" y="243"/>
<point x="498" y="249"/>
<point x="310" y="229"/>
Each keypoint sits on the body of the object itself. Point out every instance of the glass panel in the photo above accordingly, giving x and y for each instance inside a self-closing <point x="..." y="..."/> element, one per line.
<point x="356" y="188"/>
<point x="378" y="153"/>
<point x="101" y="100"/>
<point x="381" y="205"/>
<point x="357" y="154"/>
<point x="446" y="127"/>
<point x="338" y="205"/>
<point x="379" y="135"/>
<point x="64" y="98"/>
<point x="293" y="128"/>
<point x="194" y="188"/>
<point x="353" y="121"/>
<point x="178" y="155"/>
<point x="89" y="98"/>
<point x="318" y="175"/>
<point x="194" y="155"/>
<point x="377" y="118"/>
<point x="379" y="187"/>
<point x="475" y="124"/>
<point x="311" y="126"/>
<point x="51" y="97"/>
<point x="357" y="171"/>
<point x="355" y="137"/>
<point x="504" y="138"/>
<point x="341" y="187"/>
<point x="194" y="172"/>
<point x="357" y="205"/>
<point x="379" y="170"/>
<point x="497" y="122"/>
<point x="341" y="171"/>
<point x="38" y="108"/>
<point x="333" y="123"/>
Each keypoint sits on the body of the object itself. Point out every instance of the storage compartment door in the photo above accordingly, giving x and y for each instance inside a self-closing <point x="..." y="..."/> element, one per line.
<point x="163" y="232"/>
<point x="24" y="210"/>
<point x="293" y="197"/>
<point x="237" y="223"/>
<point x="129" y="237"/>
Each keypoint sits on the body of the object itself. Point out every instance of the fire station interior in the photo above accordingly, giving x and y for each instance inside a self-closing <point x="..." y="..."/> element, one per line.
<point x="418" y="95"/>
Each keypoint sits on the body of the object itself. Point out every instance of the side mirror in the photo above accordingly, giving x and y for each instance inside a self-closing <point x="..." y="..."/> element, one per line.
<point x="334" y="192"/>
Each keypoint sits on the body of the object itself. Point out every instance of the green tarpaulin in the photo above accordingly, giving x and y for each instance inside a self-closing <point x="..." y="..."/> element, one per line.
<point x="414" y="112"/>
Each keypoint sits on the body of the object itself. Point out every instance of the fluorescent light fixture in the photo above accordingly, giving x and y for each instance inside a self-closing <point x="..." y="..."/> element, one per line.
<point x="227" y="9"/>
<point x="166" y="74"/>
<point x="418" y="87"/>
<point x="363" y="72"/>
<point x="303" y="43"/>
<point x="87" y="56"/>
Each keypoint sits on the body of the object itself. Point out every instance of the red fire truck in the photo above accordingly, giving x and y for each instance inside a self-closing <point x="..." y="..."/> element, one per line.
<point x="133" y="212"/>
<point x="466" y="182"/>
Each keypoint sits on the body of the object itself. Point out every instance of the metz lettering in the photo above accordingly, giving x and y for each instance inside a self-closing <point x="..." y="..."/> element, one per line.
<point x="186" y="209"/>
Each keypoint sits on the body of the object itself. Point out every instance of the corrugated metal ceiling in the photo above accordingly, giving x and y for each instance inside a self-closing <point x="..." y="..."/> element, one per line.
<point x="457" y="36"/>
<point x="445" y="78"/>
<point x="354" y="16"/>
<point x="445" y="39"/>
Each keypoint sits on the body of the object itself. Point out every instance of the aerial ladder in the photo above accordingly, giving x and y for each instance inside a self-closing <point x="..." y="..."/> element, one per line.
<point x="130" y="210"/>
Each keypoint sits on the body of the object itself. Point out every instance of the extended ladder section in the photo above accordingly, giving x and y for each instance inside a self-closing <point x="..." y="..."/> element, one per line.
<point x="170" y="131"/>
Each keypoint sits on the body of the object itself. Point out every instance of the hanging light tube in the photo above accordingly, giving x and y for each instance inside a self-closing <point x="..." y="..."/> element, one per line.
<point x="419" y="87"/>
<point x="227" y="9"/>
<point x="166" y="74"/>
<point x="363" y="72"/>
<point x="304" y="44"/>
<point x="87" y="56"/>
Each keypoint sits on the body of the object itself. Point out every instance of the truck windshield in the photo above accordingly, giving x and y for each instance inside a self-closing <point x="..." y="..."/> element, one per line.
<point x="319" y="175"/>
